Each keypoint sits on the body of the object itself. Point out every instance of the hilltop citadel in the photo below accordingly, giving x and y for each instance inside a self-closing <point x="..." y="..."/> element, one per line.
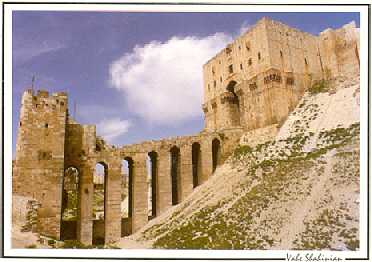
<point x="250" y="87"/>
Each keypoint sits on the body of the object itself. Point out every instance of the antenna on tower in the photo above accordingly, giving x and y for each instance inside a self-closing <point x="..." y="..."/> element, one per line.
<point x="32" y="83"/>
<point x="74" y="110"/>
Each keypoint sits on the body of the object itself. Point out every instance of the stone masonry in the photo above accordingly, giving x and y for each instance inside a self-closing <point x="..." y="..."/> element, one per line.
<point x="255" y="82"/>
<point x="259" y="78"/>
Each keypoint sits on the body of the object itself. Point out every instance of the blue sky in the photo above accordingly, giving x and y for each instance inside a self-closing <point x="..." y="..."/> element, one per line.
<point x="137" y="76"/>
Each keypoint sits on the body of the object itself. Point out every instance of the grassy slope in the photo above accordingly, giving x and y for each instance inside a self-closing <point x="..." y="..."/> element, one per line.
<point x="300" y="191"/>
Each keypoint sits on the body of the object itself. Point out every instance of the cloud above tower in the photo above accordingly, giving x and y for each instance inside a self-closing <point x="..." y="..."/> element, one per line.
<point x="112" y="128"/>
<point x="162" y="82"/>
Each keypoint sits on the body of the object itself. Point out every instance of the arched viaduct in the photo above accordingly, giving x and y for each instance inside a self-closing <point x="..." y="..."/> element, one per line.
<point x="178" y="165"/>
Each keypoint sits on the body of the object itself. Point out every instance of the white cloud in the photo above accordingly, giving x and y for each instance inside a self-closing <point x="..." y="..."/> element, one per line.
<point x="162" y="81"/>
<point x="112" y="128"/>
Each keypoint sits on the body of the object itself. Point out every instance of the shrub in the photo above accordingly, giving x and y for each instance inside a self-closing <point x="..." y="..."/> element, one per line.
<point x="352" y="244"/>
<point x="51" y="242"/>
<point x="321" y="86"/>
<point x="242" y="150"/>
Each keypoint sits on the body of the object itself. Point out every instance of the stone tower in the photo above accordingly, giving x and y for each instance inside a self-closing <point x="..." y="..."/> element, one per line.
<point x="39" y="163"/>
<point x="258" y="79"/>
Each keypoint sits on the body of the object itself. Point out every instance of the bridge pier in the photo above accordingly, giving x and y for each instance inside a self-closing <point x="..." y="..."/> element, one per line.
<point x="164" y="190"/>
<point x="85" y="222"/>
<point x="113" y="203"/>
<point x="186" y="171"/>
<point x="140" y="192"/>
<point x="207" y="160"/>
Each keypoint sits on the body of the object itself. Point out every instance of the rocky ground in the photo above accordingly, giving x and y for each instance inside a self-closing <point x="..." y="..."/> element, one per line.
<point x="299" y="191"/>
<point x="25" y="239"/>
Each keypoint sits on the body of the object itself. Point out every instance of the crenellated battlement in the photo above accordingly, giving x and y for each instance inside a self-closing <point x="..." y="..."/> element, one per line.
<point x="42" y="100"/>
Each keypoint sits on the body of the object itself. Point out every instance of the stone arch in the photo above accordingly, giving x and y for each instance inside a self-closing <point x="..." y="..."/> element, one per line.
<point x="230" y="86"/>
<point x="175" y="174"/>
<point x="126" y="223"/>
<point x="233" y="103"/>
<point x="99" y="201"/>
<point x="196" y="164"/>
<point x="154" y="177"/>
<point x="216" y="153"/>
<point x="70" y="205"/>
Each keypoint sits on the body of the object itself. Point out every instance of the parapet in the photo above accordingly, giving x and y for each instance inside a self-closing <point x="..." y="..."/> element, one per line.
<point x="60" y="94"/>
<point x="42" y="93"/>
<point x="43" y="100"/>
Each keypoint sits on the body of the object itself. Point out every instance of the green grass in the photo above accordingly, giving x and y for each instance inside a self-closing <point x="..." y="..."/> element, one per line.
<point x="321" y="86"/>
<point x="242" y="150"/>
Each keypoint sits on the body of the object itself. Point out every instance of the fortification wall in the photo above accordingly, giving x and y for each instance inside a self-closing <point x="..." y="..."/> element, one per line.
<point x="339" y="50"/>
<point x="292" y="50"/>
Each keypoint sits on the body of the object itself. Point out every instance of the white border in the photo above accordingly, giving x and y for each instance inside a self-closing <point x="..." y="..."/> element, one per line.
<point x="174" y="8"/>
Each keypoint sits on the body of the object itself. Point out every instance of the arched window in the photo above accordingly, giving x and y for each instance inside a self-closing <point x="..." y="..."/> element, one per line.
<point x="231" y="69"/>
<point x="233" y="104"/>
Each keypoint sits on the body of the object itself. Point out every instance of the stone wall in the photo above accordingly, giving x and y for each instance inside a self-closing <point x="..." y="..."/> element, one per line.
<point x="339" y="50"/>
<point x="292" y="50"/>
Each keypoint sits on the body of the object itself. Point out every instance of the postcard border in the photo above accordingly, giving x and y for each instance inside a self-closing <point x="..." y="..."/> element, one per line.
<point x="177" y="3"/>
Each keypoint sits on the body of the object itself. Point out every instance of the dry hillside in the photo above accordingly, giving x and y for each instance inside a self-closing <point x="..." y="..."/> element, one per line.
<point x="298" y="191"/>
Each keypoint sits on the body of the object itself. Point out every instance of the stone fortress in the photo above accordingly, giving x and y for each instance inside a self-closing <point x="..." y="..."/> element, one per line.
<point x="251" y="85"/>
